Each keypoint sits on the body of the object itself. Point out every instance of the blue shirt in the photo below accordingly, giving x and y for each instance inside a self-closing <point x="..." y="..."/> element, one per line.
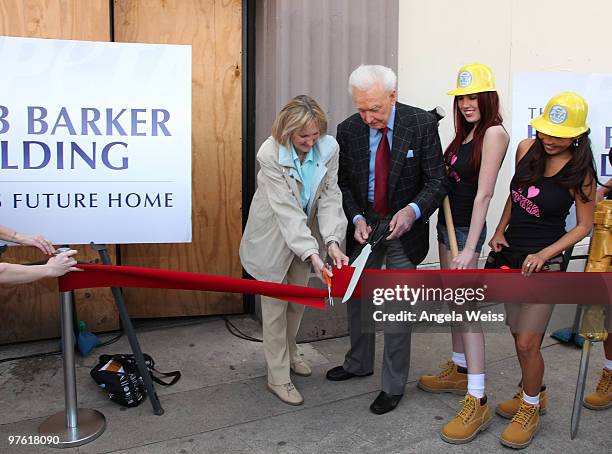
<point x="375" y="137"/>
<point x="305" y="171"/>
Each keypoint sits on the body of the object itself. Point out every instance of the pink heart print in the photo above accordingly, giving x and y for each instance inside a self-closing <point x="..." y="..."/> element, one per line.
<point x="454" y="159"/>
<point x="532" y="191"/>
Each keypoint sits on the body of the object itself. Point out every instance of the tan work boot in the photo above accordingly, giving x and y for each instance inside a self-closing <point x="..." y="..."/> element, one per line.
<point x="472" y="419"/>
<point x="301" y="367"/>
<point x="522" y="429"/>
<point x="287" y="393"/>
<point x="601" y="399"/>
<point x="508" y="408"/>
<point x="449" y="380"/>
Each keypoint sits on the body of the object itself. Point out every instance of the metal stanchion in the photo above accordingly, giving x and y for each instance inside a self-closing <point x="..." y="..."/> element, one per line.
<point x="577" y="407"/>
<point x="74" y="426"/>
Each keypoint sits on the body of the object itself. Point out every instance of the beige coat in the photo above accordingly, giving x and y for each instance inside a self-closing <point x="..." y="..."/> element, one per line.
<point x="278" y="229"/>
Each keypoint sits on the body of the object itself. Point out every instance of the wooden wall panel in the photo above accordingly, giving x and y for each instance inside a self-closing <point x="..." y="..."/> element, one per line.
<point x="31" y="311"/>
<point x="214" y="29"/>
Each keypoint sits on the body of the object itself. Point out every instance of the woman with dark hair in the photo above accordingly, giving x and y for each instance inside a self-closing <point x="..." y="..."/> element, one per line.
<point x="553" y="171"/>
<point x="473" y="160"/>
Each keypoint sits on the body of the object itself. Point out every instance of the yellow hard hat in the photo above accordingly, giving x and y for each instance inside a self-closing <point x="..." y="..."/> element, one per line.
<point x="474" y="78"/>
<point x="564" y="116"/>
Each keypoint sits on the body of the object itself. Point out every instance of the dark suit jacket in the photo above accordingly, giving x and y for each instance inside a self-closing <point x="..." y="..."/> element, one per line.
<point x="419" y="179"/>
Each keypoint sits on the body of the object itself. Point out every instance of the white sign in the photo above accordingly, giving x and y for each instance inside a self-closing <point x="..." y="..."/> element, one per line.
<point x="95" y="140"/>
<point x="531" y="92"/>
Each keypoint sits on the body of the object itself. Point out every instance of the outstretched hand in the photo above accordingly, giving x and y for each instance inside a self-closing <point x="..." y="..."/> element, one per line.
<point x="38" y="241"/>
<point x="62" y="263"/>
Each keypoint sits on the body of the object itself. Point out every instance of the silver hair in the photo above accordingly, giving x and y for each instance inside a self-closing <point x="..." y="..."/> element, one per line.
<point x="366" y="76"/>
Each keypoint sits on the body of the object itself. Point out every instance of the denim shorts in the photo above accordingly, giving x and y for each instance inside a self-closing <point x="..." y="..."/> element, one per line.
<point x="461" y="233"/>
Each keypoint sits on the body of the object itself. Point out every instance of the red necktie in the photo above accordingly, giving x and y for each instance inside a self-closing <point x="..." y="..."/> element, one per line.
<point x="382" y="165"/>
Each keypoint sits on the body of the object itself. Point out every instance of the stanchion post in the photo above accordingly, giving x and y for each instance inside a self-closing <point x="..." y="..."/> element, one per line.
<point x="70" y="395"/>
<point x="131" y="335"/>
<point x="73" y="426"/>
<point x="579" y="395"/>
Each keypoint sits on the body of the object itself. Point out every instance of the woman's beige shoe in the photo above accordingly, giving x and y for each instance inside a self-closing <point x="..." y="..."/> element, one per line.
<point x="301" y="368"/>
<point x="288" y="393"/>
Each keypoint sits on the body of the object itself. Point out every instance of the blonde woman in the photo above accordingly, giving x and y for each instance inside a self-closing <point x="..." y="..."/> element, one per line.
<point x="295" y="217"/>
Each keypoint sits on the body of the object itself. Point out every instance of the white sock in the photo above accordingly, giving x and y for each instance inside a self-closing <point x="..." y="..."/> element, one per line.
<point x="476" y="385"/>
<point x="532" y="400"/>
<point x="459" y="359"/>
<point x="608" y="363"/>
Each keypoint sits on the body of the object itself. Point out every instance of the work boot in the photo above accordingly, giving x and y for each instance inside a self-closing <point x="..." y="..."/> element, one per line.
<point x="472" y="419"/>
<point x="601" y="399"/>
<point x="522" y="429"/>
<point x="287" y="393"/>
<point x="449" y="380"/>
<point x="508" y="408"/>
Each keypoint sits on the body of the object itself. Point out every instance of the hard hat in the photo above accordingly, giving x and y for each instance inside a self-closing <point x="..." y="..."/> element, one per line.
<point x="474" y="78"/>
<point x="564" y="116"/>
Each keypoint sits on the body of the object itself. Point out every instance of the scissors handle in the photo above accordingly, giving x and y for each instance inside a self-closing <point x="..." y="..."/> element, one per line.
<point x="328" y="281"/>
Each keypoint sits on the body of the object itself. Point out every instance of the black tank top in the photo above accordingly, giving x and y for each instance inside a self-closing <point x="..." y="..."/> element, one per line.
<point x="538" y="213"/>
<point x="463" y="186"/>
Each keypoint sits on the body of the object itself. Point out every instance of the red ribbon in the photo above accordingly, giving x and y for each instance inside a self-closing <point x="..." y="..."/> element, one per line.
<point x="128" y="276"/>
<point x="503" y="286"/>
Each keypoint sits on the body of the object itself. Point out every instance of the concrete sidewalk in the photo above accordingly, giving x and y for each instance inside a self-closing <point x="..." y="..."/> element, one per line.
<point x="221" y="404"/>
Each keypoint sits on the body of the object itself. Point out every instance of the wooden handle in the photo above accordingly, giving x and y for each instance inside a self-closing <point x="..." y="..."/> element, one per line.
<point x="450" y="228"/>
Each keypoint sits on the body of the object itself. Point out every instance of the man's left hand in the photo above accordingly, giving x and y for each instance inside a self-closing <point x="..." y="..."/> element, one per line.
<point x="401" y="222"/>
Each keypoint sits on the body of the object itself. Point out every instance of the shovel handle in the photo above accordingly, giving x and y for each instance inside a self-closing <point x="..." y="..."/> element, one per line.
<point x="450" y="228"/>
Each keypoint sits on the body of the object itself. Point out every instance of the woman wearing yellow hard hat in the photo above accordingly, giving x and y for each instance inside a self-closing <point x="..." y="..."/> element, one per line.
<point x="553" y="171"/>
<point x="473" y="159"/>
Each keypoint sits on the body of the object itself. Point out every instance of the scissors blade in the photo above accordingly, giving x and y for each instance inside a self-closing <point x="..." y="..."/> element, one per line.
<point x="359" y="264"/>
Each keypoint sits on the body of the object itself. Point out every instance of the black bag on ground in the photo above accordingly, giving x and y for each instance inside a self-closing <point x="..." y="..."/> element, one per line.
<point x="118" y="375"/>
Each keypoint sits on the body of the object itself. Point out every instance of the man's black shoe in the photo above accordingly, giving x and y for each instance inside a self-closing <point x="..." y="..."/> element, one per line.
<point x="339" y="374"/>
<point x="384" y="403"/>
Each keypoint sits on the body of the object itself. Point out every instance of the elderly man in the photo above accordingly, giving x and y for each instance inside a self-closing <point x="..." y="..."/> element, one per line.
<point x="392" y="169"/>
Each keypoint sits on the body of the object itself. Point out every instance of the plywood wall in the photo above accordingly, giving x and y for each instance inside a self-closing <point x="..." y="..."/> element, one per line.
<point x="214" y="29"/>
<point x="31" y="311"/>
